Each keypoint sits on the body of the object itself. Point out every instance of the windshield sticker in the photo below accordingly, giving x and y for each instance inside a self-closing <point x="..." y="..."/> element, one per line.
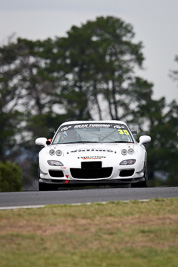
<point x="65" y="128"/>
<point x="123" y="132"/>
<point x="93" y="126"/>
<point x="119" y="126"/>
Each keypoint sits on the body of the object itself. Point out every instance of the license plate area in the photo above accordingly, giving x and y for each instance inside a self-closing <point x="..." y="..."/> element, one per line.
<point x="91" y="165"/>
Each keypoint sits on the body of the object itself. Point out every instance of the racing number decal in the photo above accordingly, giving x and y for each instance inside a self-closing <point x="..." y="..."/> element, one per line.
<point x="126" y="132"/>
<point x="123" y="132"/>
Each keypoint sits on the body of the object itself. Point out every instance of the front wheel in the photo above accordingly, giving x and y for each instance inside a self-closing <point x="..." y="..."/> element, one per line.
<point x="47" y="187"/>
<point x="43" y="187"/>
<point x="145" y="182"/>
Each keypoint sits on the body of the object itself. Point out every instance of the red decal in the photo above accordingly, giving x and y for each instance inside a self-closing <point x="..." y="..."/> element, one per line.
<point x="67" y="176"/>
<point x="67" y="181"/>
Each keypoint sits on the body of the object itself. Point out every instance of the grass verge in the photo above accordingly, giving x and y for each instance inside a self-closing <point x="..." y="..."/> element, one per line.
<point x="114" y="234"/>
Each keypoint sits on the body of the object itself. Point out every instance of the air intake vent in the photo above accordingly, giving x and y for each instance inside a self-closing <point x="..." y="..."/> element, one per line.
<point x="125" y="173"/>
<point x="56" y="173"/>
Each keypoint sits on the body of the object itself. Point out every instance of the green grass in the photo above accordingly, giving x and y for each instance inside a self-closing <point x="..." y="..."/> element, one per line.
<point x="115" y="234"/>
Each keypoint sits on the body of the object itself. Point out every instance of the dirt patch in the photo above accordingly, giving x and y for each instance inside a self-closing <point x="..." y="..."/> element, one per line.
<point x="82" y="225"/>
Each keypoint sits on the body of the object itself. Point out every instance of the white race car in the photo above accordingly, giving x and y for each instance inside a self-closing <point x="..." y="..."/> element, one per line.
<point x="92" y="152"/>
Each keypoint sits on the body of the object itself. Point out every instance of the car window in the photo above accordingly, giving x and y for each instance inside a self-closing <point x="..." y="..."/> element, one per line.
<point x="93" y="133"/>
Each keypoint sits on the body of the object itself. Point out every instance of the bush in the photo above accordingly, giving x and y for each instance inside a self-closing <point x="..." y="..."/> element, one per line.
<point x="10" y="177"/>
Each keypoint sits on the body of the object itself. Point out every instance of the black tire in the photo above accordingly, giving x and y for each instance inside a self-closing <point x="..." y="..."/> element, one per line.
<point x="43" y="187"/>
<point x="47" y="187"/>
<point x="123" y="185"/>
<point x="143" y="183"/>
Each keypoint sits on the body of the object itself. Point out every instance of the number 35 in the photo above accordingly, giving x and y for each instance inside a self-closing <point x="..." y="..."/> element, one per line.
<point x="123" y="132"/>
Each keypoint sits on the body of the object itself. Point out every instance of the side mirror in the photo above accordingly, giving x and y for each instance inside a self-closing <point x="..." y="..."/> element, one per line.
<point x="48" y="142"/>
<point x="41" y="141"/>
<point x="144" y="139"/>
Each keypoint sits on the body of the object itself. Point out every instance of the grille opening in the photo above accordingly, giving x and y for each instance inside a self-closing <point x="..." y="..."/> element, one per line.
<point x="57" y="181"/>
<point x="125" y="173"/>
<point x="56" y="173"/>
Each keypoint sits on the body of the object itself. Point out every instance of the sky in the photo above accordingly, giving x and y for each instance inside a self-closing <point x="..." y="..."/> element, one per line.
<point x="155" y="23"/>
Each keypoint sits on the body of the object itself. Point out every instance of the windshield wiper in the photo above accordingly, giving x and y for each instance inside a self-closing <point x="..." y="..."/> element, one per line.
<point x="84" y="142"/>
<point x="90" y="142"/>
<point x="79" y="142"/>
<point x="120" y="142"/>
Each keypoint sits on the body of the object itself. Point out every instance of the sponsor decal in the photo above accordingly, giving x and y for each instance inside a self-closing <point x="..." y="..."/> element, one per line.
<point x="94" y="125"/>
<point x="119" y="127"/>
<point x="66" y="128"/>
<point x="92" y="157"/>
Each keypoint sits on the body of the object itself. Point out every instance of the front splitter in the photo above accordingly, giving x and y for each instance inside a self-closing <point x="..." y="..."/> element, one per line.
<point x="92" y="182"/>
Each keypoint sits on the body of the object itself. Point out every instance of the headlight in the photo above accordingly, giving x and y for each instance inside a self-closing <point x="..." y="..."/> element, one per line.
<point x="54" y="163"/>
<point x="130" y="151"/>
<point x="124" y="152"/>
<point x="128" y="162"/>
<point x="52" y="152"/>
<point x="58" y="153"/>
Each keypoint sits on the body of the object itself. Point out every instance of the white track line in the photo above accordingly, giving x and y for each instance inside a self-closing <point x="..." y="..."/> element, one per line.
<point x="73" y="204"/>
<point x="22" y="207"/>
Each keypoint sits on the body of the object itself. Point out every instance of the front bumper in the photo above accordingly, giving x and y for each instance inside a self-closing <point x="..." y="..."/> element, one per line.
<point x="95" y="176"/>
<point x="91" y="182"/>
<point x="100" y="168"/>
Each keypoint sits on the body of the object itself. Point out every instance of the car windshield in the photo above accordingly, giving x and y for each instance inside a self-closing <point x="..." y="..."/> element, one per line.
<point x="93" y="133"/>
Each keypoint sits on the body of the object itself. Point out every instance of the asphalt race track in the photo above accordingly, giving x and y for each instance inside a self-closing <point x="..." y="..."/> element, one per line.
<point x="77" y="196"/>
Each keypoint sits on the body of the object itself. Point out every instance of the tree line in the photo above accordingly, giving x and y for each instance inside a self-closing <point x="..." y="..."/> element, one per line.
<point x="90" y="74"/>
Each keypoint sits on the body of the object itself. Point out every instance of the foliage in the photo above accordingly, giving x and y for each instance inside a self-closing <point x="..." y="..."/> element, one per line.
<point x="99" y="59"/>
<point x="9" y="97"/>
<point x="10" y="177"/>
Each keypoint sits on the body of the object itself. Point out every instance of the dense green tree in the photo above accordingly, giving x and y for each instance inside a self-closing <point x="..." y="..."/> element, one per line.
<point x="160" y="121"/>
<point x="27" y="97"/>
<point x="75" y="91"/>
<point x="116" y="56"/>
<point x="99" y="59"/>
<point x="172" y="117"/>
<point x="10" y="96"/>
